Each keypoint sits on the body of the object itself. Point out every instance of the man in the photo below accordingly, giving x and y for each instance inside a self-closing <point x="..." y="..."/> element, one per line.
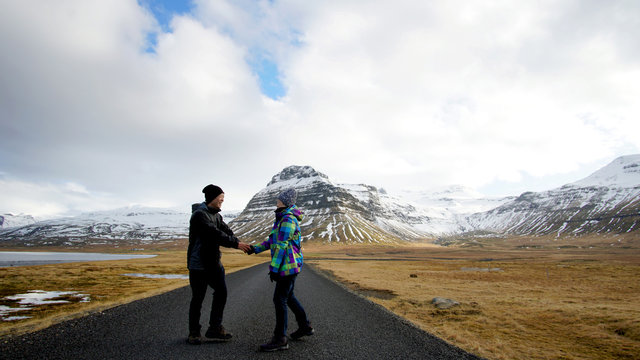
<point x="207" y="232"/>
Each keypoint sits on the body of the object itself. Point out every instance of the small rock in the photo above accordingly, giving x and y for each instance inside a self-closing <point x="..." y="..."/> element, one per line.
<point x="413" y="275"/>
<point x="442" y="303"/>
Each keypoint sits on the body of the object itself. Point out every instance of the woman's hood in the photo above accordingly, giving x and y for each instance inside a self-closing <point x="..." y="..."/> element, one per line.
<point x="292" y="210"/>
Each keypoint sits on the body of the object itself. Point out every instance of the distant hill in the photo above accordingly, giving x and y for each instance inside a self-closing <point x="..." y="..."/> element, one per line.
<point x="131" y="225"/>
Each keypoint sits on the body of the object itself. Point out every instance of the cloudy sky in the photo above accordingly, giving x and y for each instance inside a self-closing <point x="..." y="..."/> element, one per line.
<point x="105" y="104"/>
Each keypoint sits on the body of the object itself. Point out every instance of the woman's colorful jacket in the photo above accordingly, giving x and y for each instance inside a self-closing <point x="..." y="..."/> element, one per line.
<point x="284" y="242"/>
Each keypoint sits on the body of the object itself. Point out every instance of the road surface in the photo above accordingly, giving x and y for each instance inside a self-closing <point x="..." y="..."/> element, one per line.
<point x="347" y="327"/>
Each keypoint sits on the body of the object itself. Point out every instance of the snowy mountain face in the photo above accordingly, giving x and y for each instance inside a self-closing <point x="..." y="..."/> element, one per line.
<point x="132" y="224"/>
<point x="454" y="200"/>
<point x="621" y="173"/>
<point x="333" y="212"/>
<point x="608" y="201"/>
<point x="446" y="208"/>
<point x="10" y="221"/>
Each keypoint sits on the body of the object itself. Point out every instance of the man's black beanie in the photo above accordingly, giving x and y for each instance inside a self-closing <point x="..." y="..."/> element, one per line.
<point x="211" y="192"/>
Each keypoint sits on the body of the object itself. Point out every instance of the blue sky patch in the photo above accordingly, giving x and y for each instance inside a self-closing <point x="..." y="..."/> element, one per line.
<point x="269" y="76"/>
<point x="165" y="10"/>
<point x="266" y="70"/>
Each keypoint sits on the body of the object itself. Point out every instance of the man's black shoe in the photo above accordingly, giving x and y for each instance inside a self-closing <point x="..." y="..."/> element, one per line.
<point x="218" y="333"/>
<point x="276" y="343"/>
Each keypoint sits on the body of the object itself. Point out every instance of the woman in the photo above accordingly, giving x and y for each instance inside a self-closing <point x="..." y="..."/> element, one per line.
<point x="286" y="262"/>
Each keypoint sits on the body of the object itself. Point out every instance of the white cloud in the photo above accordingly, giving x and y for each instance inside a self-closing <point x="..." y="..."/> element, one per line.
<point x="47" y="199"/>
<point x="461" y="85"/>
<point x="392" y="93"/>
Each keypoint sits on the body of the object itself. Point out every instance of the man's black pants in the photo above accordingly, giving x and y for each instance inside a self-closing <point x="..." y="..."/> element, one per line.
<point x="199" y="280"/>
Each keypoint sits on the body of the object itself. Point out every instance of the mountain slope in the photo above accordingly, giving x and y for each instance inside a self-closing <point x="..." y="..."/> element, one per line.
<point x="608" y="201"/>
<point x="10" y="221"/>
<point x="333" y="213"/>
<point x="131" y="225"/>
<point x="446" y="208"/>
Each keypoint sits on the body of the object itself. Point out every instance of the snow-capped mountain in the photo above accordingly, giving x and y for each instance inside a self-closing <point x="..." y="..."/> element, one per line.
<point x="133" y="224"/>
<point x="608" y="201"/>
<point x="333" y="212"/>
<point x="447" y="207"/>
<point x="137" y="224"/>
<point x="621" y="173"/>
<point x="9" y="220"/>
<point x="454" y="199"/>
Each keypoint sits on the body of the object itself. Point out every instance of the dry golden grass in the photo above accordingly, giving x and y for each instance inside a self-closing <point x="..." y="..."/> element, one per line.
<point x="548" y="303"/>
<point x="542" y="304"/>
<point x="103" y="281"/>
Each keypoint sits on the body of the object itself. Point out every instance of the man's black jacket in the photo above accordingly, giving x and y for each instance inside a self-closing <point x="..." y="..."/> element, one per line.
<point x="207" y="232"/>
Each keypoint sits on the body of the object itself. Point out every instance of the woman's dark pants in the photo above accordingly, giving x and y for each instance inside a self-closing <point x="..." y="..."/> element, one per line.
<point x="282" y="297"/>
<point x="199" y="280"/>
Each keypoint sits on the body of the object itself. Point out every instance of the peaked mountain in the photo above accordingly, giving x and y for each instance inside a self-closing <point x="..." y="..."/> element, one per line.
<point x="607" y="201"/>
<point x="333" y="212"/>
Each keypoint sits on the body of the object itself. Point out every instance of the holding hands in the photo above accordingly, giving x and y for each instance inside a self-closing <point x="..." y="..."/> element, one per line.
<point x="245" y="247"/>
<point x="248" y="249"/>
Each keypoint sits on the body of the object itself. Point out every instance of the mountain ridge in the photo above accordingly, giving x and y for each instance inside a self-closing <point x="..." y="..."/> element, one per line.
<point x="607" y="201"/>
<point x="604" y="202"/>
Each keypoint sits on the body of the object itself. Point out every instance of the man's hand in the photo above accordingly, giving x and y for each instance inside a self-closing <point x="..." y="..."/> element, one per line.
<point x="244" y="247"/>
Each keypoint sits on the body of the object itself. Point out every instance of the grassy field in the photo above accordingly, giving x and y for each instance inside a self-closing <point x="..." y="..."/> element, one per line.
<point x="514" y="303"/>
<point x="103" y="281"/>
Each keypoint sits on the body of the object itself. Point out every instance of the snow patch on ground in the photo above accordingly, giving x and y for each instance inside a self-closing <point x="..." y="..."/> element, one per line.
<point x="34" y="298"/>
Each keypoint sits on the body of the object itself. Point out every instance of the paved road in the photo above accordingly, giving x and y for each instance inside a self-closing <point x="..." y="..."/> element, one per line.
<point x="347" y="327"/>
